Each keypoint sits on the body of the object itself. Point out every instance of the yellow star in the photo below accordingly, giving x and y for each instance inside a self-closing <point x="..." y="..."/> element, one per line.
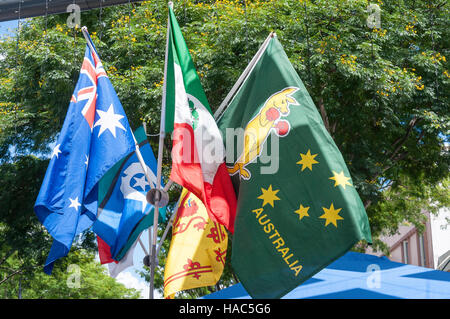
<point x="302" y="211"/>
<point x="307" y="160"/>
<point x="269" y="196"/>
<point x="340" y="179"/>
<point x="331" y="215"/>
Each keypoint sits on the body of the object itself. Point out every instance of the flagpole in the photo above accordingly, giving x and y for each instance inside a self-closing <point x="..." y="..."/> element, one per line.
<point x="243" y="76"/>
<point x="86" y="35"/>
<point x="141" y="160"/>
<point x="162" y="135"/>
<point x="142" y="246"/>
<point x="169" y="224"/>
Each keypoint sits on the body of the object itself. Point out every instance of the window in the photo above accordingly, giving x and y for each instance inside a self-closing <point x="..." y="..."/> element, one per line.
<point x="405" y="251"/>
<point x="422" y="256"/>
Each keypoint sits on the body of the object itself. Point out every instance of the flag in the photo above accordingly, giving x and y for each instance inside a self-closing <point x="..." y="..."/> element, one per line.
<point x="198" y="248"/>
<point x="95" y="135"/>
<point x="123" y="204"/>
<point x="198" y="150"/>
<point x="297" y="208"/>
<point x="115" y="268"/>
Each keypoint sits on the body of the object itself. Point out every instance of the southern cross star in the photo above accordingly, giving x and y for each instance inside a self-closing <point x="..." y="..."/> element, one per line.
<point x="56" y="151"/>
<point x="74" y="203"/>
<point x="302" y="212"/>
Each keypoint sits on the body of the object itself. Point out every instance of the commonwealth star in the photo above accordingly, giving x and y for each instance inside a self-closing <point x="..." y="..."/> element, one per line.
<point x="109" y="121"/>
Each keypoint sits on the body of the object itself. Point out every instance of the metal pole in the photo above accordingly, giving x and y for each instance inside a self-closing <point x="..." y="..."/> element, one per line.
<point x="142" y="246"/>
<point x="20" y="287"/>
<point x="86" y="35"/>
<point x="169" y="224"/>
<point x="243" y="76"/>
<point x="162" y="135"/>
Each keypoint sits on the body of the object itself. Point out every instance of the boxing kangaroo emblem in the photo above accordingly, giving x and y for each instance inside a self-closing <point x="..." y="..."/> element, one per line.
<point x="259" y="128"/>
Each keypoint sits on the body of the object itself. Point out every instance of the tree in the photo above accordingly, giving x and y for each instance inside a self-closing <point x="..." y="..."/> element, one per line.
<point x="405" y="201"/>
<point x="79" y="276"/>
<point x="23" y="243"/>
<point x="383" y="93"/>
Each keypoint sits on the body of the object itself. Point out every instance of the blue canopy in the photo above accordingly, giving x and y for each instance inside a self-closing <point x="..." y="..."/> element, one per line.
<point x="362" y="276"/>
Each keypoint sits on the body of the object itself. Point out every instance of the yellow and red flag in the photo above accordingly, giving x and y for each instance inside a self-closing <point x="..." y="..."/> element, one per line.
<point x="198" y="248"/>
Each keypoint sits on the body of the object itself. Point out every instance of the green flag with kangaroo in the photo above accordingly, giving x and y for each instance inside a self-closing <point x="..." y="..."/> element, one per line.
<point x="298" y="209"/>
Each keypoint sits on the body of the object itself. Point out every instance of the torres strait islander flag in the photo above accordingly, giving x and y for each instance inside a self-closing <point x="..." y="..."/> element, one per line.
<point x="198" y="151"/>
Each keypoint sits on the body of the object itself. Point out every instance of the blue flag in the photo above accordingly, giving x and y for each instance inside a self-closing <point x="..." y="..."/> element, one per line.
<point x="123" y="205"/>
<point x="95" y="136"/>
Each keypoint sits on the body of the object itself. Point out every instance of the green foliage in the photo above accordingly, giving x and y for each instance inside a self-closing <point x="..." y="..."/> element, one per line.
<point x="406" y="201"/>
<point x="23" y="243"/>
<point x="78" y="276"/>
<point x="383" y="93"/>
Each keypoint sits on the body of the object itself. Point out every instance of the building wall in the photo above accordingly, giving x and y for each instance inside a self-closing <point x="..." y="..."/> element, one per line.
<point x="440" y="230"/>
<point x="396" y="254"/>
<point x="408" y="246"/>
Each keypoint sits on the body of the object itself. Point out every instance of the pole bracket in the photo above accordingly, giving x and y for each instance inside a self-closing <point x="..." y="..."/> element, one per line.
<point x="159" y="196"/>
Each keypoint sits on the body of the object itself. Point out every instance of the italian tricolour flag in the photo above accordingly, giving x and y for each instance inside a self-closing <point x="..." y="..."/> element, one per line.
<point x="198" y="150"/>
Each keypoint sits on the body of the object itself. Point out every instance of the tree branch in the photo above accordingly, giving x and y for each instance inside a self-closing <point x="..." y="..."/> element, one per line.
<point x="420" y="136"/>
<point x="9" y="254"/>
<point x="323" y="113"/>
<point x="394" y="158"/>
<point x="333" y="128"/>
<point x="395" y="161"/>
<point x="19" y="271"/>
<point x="12" y="275"/>
<point x="401" y="141"/>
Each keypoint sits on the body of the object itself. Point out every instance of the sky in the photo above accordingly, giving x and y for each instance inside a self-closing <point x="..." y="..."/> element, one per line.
<point x="440" y="230"/>
<point x="129" y="277"/>
<point x="7" y="27"/>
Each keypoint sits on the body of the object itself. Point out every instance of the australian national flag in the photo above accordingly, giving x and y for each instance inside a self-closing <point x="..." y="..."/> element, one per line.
<point x="95" y="135"/>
